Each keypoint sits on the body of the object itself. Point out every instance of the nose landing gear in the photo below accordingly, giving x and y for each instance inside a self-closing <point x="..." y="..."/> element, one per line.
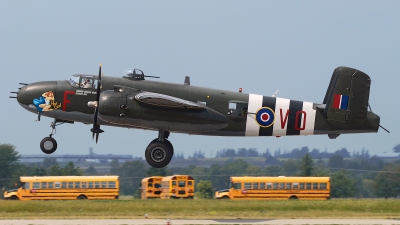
<point x="48" y="145"/>
<point x="160" y="151"/>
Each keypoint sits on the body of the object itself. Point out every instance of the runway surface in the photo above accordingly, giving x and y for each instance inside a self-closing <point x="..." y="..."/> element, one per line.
<point x="216" y="221"/>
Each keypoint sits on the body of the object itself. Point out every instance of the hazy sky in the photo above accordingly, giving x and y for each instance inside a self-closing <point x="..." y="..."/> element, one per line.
<point x="261" y="46"/>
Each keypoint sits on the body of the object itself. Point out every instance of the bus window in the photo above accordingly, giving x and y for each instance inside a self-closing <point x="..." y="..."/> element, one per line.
<point x="269" y="185"/>
<point x="281" y="185"/>
<point x="237" y="186"/>
<point x="288" y="186"/>
<point x="111" y="184"/>
<point x="247" y="185"/>
<point x="57" y="184"/>
<point x="173" y="183"/>
<point x="262" y="185"/>
<point x="50" y="185"/>
<point x="157" y="185"/>
<point x="36" y="185"/>
<point x="64" y="185"/>
<point x="44" y="185"/>
<point x="150" y="185"/>
<point x="302" y="186"/>
<point x="295" y="185"/>
<point x="190" y="183"/>
<point x="27" y="185"/>
<point x="104" y="184"/>
<point x="97" y="184"/>
<point x="84" y="184"/>
<point x="70" y="184"/>
<point x="315" y="186"/>
<point x="308" y="185"/>
<point x="255" y="185"/>
<point x="182" y="183"/>
<point x="322" y="186"/>
<point x="77" y="184"/>
<point x="90" y="184"/>
<point x="275" y="186"/>
<point x="165" y="184"/>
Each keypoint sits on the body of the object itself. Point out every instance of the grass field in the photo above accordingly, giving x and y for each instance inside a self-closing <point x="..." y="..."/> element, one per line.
<point x="199" y="209"/>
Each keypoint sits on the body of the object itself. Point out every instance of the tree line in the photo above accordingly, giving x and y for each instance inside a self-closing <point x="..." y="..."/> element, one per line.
<point x="360" y="177"/>
<point x="294" y="153"/>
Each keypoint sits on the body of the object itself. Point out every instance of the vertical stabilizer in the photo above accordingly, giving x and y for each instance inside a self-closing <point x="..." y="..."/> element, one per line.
<point x="347" y="97"/>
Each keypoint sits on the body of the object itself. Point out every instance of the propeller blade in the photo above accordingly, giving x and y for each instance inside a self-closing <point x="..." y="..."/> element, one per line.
<point x="96" y="128"/>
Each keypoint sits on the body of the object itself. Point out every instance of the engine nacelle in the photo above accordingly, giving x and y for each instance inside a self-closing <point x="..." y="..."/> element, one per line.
<point x="122" y="108"/>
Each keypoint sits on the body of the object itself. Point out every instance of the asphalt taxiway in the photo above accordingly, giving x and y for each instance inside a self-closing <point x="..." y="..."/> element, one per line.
<point x="183" y="221"/>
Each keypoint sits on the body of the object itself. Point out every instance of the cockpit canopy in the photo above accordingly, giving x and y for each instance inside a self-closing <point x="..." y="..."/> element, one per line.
<point x="133" y="73"/>
<point x="83" y="81"/>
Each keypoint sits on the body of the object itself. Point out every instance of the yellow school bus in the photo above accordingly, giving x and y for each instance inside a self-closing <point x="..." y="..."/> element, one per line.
<point x="151" y="187"/>
<point x="177" y="186"/>
<point x="65" y="187"/>
<point x="280" y="188"/>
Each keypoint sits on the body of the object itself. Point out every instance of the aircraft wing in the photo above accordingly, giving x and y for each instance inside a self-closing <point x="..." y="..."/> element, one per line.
<point x="166" y="101"/>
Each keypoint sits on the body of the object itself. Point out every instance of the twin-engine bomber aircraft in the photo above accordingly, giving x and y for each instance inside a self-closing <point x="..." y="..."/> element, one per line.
<point x="133" y="102"/>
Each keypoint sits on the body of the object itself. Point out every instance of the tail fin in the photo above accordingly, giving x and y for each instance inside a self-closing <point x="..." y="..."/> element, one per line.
<point x="347" y="97"/>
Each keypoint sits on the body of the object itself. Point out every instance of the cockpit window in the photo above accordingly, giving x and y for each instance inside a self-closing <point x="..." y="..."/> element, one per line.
<point x="83" y="81"/>
<point x="74" y="80"/>
<point x="86" y="82"/>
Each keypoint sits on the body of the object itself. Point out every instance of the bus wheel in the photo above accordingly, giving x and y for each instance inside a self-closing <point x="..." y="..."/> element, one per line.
<point x="225" y="197"/>
<point x="14" y="198"/>
<point x="293" y="197"/>
<point x="81" y="197"/>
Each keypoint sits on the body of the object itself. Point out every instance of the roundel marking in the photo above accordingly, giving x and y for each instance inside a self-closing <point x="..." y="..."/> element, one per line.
<point x="265" y="117"/>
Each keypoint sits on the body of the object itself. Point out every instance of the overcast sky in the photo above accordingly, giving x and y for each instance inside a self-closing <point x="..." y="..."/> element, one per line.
<point x="260" y="46"/>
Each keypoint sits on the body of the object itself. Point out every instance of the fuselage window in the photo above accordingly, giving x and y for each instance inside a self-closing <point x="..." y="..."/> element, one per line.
<point x="237" y="109"/>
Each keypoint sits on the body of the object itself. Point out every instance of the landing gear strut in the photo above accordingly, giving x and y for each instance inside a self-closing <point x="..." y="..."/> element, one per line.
<point x="160" y="151"/>
<point x="48" y="145"/>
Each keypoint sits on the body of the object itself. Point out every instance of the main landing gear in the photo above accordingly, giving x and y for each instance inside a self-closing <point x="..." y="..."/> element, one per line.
<point x="160" y="151"/>
<point x="49" y="145"/>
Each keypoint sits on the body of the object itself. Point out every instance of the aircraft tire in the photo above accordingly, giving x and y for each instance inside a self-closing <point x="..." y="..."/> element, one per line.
<point x="166" y="142"/>
<point x="158" y="154"/>
<point x="48" y="145"/>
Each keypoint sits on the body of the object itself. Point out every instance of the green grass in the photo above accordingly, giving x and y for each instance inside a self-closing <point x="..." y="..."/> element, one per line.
<point x="200" y="209"/>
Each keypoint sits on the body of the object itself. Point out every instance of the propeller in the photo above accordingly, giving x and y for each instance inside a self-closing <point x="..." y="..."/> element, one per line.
<point x="96" y="128"/>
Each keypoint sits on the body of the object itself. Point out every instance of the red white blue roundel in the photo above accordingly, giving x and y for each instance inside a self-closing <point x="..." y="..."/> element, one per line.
<point x="265" y="117"/>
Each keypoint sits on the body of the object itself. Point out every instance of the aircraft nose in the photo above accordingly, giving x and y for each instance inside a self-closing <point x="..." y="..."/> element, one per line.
<point x="21" y="96"/>
<point x="29" y="92"/>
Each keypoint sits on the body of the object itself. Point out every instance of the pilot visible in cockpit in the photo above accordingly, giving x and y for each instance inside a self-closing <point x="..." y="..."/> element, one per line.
<point x="86" y="83"/>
